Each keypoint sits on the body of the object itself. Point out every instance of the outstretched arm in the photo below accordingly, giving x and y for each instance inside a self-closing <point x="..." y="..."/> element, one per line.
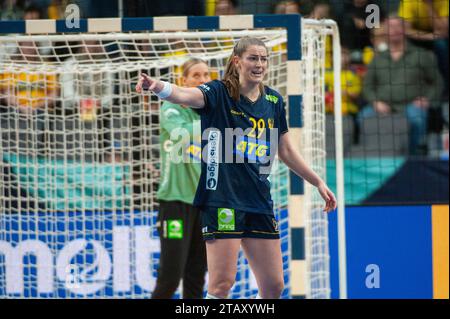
<point x="295" y="162"/>
<point x="179" y="95"/>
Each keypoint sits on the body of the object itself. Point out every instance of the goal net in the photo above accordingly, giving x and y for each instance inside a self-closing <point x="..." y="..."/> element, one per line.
<point x="79" y="159"/>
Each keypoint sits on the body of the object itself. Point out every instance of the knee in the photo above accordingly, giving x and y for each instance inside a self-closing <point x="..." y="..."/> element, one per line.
<point x="272" y="290"/>
<point x="277" y="289"/>
<point x="221" y="286"/>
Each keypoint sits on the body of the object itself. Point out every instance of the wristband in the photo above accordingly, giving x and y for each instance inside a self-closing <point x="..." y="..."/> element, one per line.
<point x="166" y="91"/>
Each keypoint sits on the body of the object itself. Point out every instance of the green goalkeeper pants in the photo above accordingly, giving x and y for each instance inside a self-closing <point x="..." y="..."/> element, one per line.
<point x="183" y="252"/>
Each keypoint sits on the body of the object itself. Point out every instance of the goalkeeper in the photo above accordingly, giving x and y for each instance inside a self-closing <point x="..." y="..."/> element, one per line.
<point x="183" y="254"/>
<point x="235" y="199"/>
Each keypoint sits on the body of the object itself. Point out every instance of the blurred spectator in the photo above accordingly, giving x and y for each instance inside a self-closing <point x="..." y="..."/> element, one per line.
<point x="107" y="8"/>
<point x="88" y="8"/>
<point x="378" y="37"/>
<point x="352" y="24"/>
<point x="226" y="7"/>
<point x="405" y="78"/>
<point x="378" y="40"/>
<point x="28" y="95"/>
<point x="11" y="9"/>
<point x="157" y="8"/>
<point x="56" y="9"/>
<point x="321" y="10"/>
<point x="287" y="7"/>
<point x="426" y="23"/>
<point x="425" y="20"/>
<point x="351" y="86"/>
<point x="85" y="91"/>
<point x="306" y="7"/>
<point x="28" y="91"/>
<point x="32" y="12"/>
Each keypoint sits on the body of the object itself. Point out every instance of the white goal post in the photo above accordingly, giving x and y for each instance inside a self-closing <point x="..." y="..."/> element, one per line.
<point x="79" y="150"/>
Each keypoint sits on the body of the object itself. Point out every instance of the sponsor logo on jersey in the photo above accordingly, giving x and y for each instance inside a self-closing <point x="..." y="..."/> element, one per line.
<point x="211" y="183"/>
<point x="206" y="87"/>
<point x="175" y="228"/>
<point x="238" y="113"/>
<point x="225" y="219"/>
<point x="212" y="167"/>
<point x="247" y="147"/>
<point x="272" y="98"/>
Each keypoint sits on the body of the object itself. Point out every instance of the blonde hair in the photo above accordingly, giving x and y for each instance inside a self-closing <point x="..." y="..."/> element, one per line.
<point x="231" y="77"/>
<point x="189" y="64"/>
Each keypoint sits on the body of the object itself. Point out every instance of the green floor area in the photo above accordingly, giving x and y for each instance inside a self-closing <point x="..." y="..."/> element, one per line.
<point x="363" y="176"/>
<point x="62" y="185"/>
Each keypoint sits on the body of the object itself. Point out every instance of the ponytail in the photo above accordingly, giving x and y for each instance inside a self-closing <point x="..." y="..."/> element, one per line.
<point x="231" y="79"/>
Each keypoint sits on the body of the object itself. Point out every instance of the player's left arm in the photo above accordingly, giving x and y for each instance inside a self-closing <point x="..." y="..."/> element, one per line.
<point x="295" y="162"/>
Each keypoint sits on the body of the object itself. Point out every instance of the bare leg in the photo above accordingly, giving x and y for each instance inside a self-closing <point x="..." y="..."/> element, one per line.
<point x="264" y="257"/>
<point x="222" y="255"/>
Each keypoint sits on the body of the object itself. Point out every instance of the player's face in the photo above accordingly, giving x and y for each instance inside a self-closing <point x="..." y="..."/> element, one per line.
<point x="197" y="74"/>
<point x="252" y="65"/>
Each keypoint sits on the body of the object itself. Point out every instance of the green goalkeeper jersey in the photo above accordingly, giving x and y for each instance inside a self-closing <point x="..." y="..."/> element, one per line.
<point x="180" y="144"/>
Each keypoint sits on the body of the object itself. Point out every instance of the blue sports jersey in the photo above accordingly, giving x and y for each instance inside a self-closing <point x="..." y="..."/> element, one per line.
<point x="239" y="141"/>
